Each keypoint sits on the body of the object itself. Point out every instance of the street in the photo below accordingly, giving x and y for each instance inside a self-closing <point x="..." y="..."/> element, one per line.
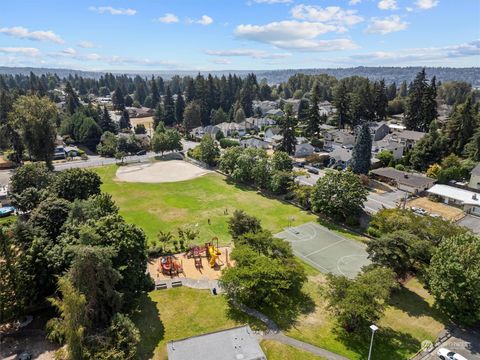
<point x="465" y="343"/>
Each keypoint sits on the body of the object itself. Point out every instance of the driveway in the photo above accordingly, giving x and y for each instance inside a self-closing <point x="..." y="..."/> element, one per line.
<point x="465" y="343"/>
<point x="5" y="177"/>
<point x="471" y="222"/>
<point x="377" y="201"/>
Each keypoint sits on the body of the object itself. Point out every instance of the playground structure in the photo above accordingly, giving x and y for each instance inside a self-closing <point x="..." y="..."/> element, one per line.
<point x="181" y="265"/>
<point x="170" y="266"/>
<point x="212" y="253"/>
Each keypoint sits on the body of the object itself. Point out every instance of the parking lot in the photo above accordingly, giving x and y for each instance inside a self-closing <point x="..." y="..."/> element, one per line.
<point x="465" y="343"/>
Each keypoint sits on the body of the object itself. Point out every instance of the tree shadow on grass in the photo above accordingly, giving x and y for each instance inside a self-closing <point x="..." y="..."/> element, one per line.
<point x="387" y="343"/>
<point x="147" y="319"/>
<point x="414" y="305"/>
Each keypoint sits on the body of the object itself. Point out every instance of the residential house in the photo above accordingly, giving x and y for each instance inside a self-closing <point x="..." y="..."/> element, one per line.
<point x="325" y="108"/>
<point x="474" y="182"/>
<point x="403" y="180"/>
<point x="238" y="343"/>
<point x="340" y="158"/>
<point x="200" y="132"/>
<point x="275" y="112"/>
<point x="303" y="150"/>
<point x="301" y="140"/>
<point x="271" y="132"/>
<point x="406" y="137"/>
<point x="259" y="123"/>
<point x="254" y="143"/>
<point x="276" y="141"/>
<point x="468" y="200"/>
<point x="378" y="130"/>
<point x="386" y="145"/>
<point x="229" y="129"/>
<point x="337" y="138"/>
<point x="264" y="106"/>
<point x="295" y="105"/>
<point x="141" y="112"/>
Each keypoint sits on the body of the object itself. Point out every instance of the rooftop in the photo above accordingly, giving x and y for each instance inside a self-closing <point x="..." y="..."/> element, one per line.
<point x="461" y="195"/>
<point x="232" y="344"/>
<point x="403" y="177"/>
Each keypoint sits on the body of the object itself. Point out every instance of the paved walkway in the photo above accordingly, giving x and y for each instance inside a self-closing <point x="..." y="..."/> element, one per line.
<point x="274" y="333"/>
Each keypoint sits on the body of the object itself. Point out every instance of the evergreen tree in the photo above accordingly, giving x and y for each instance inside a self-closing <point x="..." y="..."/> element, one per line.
<point x="124" y="122"/>
<point x="287" y="129"/>
<point x="303" y="108"/>
<point x="192" y="116"/>
<point x="179" y="108"/>
<point x="462" y="124"/>
<point x="154" y="93"/>
<point x="71" y="99"/>
<point x="106" y="122"/>
<point x="341" y="103"/>
<point x="158" y="116"/>
<point x="421" y="105"/>
<point x="169" y="108"/>
<point x="313" y="116"/>
<point x="118" y="100"/>
<point x="380" y="100"/>
<point x="362" y="151"/>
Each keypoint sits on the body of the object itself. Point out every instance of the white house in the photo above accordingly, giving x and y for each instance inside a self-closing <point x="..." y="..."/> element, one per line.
<point x="474" y="182"/>
<point x="254" y="143"/>
<point x="468" y="200"/>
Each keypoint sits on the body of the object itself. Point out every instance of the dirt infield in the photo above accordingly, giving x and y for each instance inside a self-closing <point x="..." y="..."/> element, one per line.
<point x="160" y="172"/>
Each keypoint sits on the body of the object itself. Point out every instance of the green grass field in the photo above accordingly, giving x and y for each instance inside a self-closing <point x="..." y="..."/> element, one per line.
<point x="7" y="219"/>
<point x="275" y="350"/>
<point x="167" y="206"/>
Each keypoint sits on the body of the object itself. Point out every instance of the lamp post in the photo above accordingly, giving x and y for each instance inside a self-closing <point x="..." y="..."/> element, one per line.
<point x="373" y="328"/>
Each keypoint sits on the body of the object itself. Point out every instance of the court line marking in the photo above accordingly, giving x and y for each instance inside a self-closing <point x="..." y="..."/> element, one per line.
<point x="347" y="256"/>
<point x="311" y="262"/>
<point x="325" y="247"/>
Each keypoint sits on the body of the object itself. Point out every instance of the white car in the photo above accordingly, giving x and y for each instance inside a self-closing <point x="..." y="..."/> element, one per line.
<point x="446" y="354"/>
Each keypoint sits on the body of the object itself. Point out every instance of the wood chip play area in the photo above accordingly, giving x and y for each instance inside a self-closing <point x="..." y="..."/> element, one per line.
<point x="199" y="263"/>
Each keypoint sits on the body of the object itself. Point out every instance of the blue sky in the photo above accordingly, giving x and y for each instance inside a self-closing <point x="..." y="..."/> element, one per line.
<point x="238" y="34"/>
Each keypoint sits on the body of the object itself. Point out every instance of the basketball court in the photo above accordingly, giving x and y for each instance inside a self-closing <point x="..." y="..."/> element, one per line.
<point x="326" y="250"/>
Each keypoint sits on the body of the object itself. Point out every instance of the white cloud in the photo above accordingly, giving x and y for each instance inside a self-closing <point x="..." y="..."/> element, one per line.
<point x="426" y="4"/>
<point x="112" y="10"/>
<point x="386" y="25"/>
<point x="69" y="51"/>
<point x="329" y="14"/>
<point x="86" y="44"/>
<point x="39" y="35"/>
<point x="204" y="20"/>
<point x="272" y="1"/>
<point x="257" y="54"/>
<point x="168" y="18"/>
<point x="221" y="61"/>
<point x="354" y="2"/>
<point x="31" y="52"/>
<point x="387" y="5"/>
<point x="420" y="55"/>
<point x="295" y="35"/>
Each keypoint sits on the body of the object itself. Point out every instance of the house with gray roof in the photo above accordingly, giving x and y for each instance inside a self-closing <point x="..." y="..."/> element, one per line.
<point x="340" y="158"/>
<point x="337" y="138"/>
<point x="406" y="137"/>
<point x="254" y="143"/>
<point x="238" y="343"/>
<point x="378" y="130"/>
<point x="409" y="182"/>
<point x="386" y="145"/>
<point x="275" y="112"/>
<point x="303" y="150"/>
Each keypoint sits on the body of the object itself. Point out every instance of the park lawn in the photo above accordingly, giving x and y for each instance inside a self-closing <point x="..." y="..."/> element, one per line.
<point x="165" y="315"/>
<point x="408" y="320"/>
<point x="4" y="220"/>
<point x="166" y="206"/>
<point x="275" y="350"/>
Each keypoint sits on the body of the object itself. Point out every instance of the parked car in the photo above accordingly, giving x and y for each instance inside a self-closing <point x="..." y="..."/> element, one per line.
<point x="141" y="152"/>
<point x="312" y="170"/>
<point x="445" y="354"/>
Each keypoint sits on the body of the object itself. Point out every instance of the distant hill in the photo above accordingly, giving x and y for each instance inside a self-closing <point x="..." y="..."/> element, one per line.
<point x="390" y="74"/>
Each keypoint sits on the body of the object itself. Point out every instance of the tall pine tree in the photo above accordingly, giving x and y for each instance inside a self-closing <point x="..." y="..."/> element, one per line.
<point x="169" y="108"/>
<point x="362" y="151"/>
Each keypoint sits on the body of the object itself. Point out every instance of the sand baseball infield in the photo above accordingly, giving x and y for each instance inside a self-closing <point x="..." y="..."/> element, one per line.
<point x="160" y="172"/>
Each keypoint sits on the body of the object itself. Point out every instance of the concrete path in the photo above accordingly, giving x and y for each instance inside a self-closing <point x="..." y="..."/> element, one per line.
<point x="274" y="333"/>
